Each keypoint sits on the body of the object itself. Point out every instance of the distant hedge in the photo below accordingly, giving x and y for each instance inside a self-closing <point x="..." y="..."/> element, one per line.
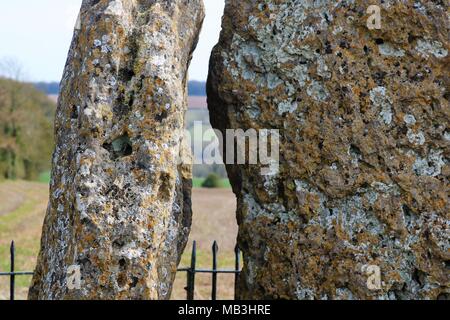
<point x="26" y="130"/>
<point x="212" y="181"/>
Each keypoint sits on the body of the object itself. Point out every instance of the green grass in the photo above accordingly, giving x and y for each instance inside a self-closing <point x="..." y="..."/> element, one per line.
<point x="44" y="177"/>
<point x="224" y="183"/>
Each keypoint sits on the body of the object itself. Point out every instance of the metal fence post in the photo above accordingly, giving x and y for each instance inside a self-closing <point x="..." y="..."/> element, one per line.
<point x="191" y="271"/>
<point x="13" y="276"/>
<point x="215" y="248"/>
<point x="237" y="268"/>
<point x="191" y="274"/>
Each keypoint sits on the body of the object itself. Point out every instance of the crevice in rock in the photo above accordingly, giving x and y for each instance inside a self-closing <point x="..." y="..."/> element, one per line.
<point x="120" y="147"/>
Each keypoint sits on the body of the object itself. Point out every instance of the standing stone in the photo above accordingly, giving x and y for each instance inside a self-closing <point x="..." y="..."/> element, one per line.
<point x="364" y="154"/>
<point x="120" y="210"/>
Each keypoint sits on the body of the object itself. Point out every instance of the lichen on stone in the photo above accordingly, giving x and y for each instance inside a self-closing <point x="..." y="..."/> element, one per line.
<point x="120" y="205"/>
<point x="364" y="156"/>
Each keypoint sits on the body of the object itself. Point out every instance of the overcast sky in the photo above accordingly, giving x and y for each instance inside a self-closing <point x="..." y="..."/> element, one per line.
<point x="37" y="34"/>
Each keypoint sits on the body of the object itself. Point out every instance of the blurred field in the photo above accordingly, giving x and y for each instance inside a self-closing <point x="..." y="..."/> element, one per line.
<point x="22" y="209"/>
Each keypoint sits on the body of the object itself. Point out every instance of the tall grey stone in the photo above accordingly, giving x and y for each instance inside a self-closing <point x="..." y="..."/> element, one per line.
<point x="359" y="208"/>
<point x="120" y="212"/>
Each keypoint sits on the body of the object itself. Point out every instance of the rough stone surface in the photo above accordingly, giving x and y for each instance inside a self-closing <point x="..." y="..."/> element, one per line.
<point x="364" y="124"/>
<point x="120" y="199"/>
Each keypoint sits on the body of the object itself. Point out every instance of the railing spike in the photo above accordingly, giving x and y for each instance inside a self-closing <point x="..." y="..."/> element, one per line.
<point x="12" y="281"/>
<point x="237" y="268"/>
<point x="191" y="273"/>
<point x="215" y="248"/>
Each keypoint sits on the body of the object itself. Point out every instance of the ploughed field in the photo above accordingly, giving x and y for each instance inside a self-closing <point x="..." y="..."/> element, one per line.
<point x="22" y="210"/>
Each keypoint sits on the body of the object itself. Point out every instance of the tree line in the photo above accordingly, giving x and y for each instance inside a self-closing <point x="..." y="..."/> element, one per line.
<point x="195" y="88"/>
<point x="26" y="130"/>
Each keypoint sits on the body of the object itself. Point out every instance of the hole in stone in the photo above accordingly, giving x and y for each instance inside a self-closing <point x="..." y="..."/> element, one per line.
<point x="117" y="244"/>
<point x="122" y="262"/>
<point x="419" y="277"/>
<point x="127" y="74"/>
<point x="355" y="150"/>
<point x="74" y="113"/>
<point x="406" y="210"/>
<point x="134" y="282"/>
<point x="163" y="115"/>
<point x="120" y="147"/>
<point x="131" y="101"/>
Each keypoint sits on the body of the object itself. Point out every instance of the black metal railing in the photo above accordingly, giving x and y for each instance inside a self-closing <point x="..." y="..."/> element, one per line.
<point x="190" y="271"/>
<point x="12" y="273"/>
